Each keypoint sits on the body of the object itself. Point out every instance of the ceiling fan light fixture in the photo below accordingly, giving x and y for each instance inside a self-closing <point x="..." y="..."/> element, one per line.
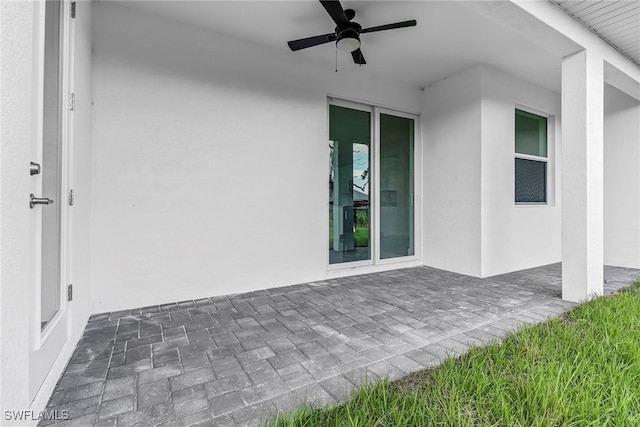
<point x="348" y="41"/>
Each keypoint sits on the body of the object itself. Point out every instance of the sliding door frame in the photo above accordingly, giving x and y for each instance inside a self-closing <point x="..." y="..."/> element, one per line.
<point x="372" y="190"/>
<point x="374" y="186"/>
<point x="416" y="186"/>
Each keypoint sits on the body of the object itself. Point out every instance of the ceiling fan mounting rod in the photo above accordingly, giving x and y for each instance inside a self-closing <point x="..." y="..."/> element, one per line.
<point x="350" y="14"/>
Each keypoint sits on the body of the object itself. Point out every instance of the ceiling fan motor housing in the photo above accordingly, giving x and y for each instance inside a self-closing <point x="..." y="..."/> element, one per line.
<point x="349" y="37"/>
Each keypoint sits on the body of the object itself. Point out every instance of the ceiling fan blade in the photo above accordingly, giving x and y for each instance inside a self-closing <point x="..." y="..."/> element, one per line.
<point x="335" y="10"/>
<point x="357" y="57"/>
<point x="402" y="24"/>
<point x="311" y="41"/>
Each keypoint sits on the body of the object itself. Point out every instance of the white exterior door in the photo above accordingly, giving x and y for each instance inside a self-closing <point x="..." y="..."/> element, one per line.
<point x="50" y="178"/>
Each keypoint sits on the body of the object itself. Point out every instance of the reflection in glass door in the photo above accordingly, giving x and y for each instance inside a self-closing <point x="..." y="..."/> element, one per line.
<point x="349" y="208"/>
<point x="396" y="187"/>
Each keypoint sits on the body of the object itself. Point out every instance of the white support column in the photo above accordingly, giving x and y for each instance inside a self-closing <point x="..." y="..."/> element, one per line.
<point x="582" y="175"/>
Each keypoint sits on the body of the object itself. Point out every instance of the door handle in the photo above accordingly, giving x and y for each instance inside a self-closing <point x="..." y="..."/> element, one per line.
<point x="34" y="168"/>
<point x="39" y="201"/>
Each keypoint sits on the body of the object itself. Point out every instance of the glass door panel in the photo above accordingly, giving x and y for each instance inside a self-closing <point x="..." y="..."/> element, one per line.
<point x="396" y="186"/>
<point x="349" y="207"/>
<point x="51" y="164"/>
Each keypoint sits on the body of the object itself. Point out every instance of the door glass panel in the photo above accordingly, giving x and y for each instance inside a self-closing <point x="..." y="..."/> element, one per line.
<point x="396" y="187"/>
<point x="349" y="210"/>
<point x="51" y="165"/>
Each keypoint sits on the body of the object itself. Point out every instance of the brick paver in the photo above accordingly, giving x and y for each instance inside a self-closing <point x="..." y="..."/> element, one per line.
<point x="239" y="359"/>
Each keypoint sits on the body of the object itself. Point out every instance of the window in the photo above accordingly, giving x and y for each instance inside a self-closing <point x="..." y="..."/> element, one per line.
<point x="530" y="159"/>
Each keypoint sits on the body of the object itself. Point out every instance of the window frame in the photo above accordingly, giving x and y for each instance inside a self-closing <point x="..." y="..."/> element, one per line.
<point x="547" y="160"/>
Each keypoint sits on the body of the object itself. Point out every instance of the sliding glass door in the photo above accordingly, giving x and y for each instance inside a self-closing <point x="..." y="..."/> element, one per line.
<point x="371" y="184"/>
<point x="396" y="186"/>
<point x="349" y="207"/>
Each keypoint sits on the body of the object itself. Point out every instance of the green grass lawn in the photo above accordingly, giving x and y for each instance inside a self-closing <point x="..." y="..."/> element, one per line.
<point x="361" y="237"/>
<point x="360" y="232"/>
<point x="582" y="369"/>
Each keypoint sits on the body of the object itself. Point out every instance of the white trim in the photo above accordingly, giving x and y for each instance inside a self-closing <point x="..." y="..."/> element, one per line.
<point x="354" y="105"/>
<point x="366" y="103"/>
<point x="532" y="157"/>
<point x="65" y="163"/>
<point x="349" y="265"/>
<point x="530" y="204"/>
<point x="552" y="163"/>
<point x="375" y="187"/>
<point x="373" y="268"/>
<point x="36" y="185"/>
<point x="418" y="189"/>
<point x="374" y="200"/>
<point x="327" y="230"/>
<point x="397" y="260"/>
<point x="530" y="110"/>
<point x="43" y="395"/>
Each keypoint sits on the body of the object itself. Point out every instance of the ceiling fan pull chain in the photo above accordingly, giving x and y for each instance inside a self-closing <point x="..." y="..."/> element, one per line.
<point x="336" y="59"/>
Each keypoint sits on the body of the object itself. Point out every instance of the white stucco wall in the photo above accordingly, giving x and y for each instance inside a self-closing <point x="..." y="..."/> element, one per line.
<point x="211" y="160"/>
<point x="621" y="179"/>
<point x="451" y="153"/>
<point x="471" y="223"/>
<point x="516" y="237"/>
<point x="16" y="35"/>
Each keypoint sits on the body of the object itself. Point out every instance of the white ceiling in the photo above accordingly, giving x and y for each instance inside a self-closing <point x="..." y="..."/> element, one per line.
<point x="450" y="36"/>
<point x="615" y="21"/>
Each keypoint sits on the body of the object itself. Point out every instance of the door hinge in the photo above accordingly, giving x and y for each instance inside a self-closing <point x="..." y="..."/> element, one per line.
<point x="72" y="101"/>
<point x="70" y="292"/>
<point x="72" y="199"/>
<point x="73" y="9"/>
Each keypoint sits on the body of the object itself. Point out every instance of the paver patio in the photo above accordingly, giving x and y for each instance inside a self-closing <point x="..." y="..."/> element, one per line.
<point x="239" y="359"/>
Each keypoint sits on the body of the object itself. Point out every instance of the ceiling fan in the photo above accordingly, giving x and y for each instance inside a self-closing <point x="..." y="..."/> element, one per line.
<point x="347" y="32"/>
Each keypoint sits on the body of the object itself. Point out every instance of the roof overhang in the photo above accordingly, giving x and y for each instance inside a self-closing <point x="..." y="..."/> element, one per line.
<point x="451" y="36"/>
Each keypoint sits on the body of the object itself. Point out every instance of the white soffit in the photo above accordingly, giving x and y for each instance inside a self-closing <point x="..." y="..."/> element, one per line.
<point x="615" y="21"/>
<point x="451" y="36"/>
